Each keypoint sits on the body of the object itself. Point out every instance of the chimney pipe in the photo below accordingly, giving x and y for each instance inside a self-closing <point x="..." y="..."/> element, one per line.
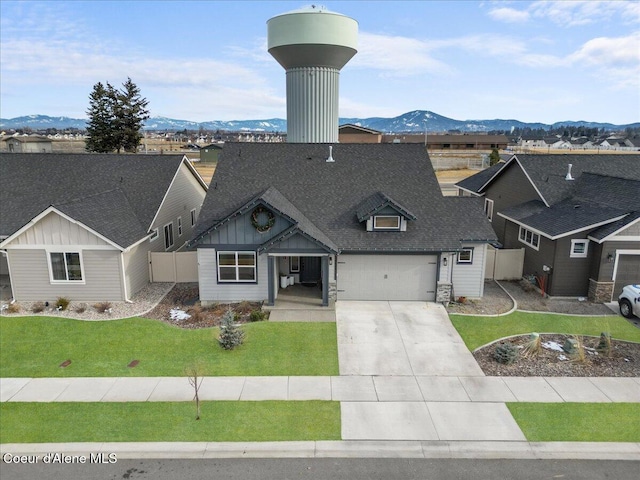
<point x="330" y="159"/>
<point x="568" y="176"/>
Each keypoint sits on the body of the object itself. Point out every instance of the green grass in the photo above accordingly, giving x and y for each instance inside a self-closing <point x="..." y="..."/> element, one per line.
<point x="478" y="331"/>
<point x="169" y="422"/>
<point x="578" y="422"/>
<point x="36" y="346"/>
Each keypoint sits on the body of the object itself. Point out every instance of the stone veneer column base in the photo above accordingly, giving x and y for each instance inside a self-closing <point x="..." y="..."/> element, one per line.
<point x="600" y="292"/>
<point x="443" y="292"/>
<point x="333" y="291"/>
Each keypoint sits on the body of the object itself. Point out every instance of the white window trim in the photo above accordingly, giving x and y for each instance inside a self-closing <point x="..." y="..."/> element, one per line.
<point x="465" y="262"/>
<point x="237" y="279"/>
<point x="530" y="244"/>
<point x="375" y="222"/>
<point x="193" y="217"/>
<point x="154" y="235"/>
<point x="65" y="250"/>
<point x="291" y="269"/>
<point x="576" y="241"/>
<point x="488" y="208"/>
<point x="164" y="232"/>
<point x="179" y="226"/>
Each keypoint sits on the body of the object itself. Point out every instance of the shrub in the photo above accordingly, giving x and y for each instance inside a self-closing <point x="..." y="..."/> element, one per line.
<point x="13" y="308"/>
<point x="604" y="345"/>
<point x="62" y="303"/>
<point x="103" y="307"/>
<point x="579" y="355"/>
<point x="257" y="316"/>
<point x="534" y="346"/>
<point x="37" y="307"/>
<point x="81" y="308"/>
<point x="231" y="335"/>
<point x="506" y="353"/>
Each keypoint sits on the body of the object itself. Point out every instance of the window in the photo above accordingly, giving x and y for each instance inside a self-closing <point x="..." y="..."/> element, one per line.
<point x="179" y="226"/>
<point x="465" y="256"/>
<point x="386" y="222"/>
<point x="66" y="266"/>
<point x="294" y="264"/>
<point x="488" y="208"/>
<point x="168" y="236"/>
<point x="193" y="217"/>
<point x="529" y="238"/>
<point x="154" y="235"/>
<point x="579" y="248"/>
<point x="236" y="266"/>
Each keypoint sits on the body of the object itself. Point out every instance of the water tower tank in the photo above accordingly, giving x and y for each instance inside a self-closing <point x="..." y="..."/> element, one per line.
<point x="312" y="44"/>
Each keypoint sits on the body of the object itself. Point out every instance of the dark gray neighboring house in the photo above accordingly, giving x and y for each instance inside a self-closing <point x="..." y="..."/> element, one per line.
<point x="81" y="225"/>
<point x="362" y="221"/>
<point x="578" y="217"/>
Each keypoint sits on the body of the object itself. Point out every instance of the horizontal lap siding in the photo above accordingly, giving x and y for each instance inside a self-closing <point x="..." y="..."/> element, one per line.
<point x="136" y="264"/>
<point x="212" y="291"/>
<point x="30" y="277"/>
<point x="468" y="279"/>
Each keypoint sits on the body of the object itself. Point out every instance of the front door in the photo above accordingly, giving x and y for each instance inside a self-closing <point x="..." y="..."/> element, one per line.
<point x="310" y="269"/>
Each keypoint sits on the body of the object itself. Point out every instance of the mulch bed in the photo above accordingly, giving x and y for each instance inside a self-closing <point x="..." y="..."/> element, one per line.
<point x="185" y="297"/>
<point x="624" y="360"/>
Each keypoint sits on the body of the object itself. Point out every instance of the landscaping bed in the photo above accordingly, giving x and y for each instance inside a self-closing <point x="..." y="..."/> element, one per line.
<point x="623" y="361"/>
<point x="181" y="307"/>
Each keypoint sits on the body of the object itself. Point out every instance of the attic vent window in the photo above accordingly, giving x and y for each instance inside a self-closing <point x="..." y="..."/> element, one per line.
<point x="386" y="222"/>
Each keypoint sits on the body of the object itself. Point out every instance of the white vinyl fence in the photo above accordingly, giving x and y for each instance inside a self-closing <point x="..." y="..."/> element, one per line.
<point x="178" y="267"/>
<point x="504" y="264"/>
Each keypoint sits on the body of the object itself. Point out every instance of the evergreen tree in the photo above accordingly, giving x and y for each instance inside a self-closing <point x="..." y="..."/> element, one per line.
<point x="494" y="157"/>
<point x="231" y="335"/>
<point x="115" y="118"/>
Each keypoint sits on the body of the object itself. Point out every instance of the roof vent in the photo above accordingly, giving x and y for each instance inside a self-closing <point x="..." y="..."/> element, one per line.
<point x="569" y="177"/>
<point x="330" y="159"/>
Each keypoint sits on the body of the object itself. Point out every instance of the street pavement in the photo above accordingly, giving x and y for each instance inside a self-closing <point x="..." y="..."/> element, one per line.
<point x="407" y="386"/>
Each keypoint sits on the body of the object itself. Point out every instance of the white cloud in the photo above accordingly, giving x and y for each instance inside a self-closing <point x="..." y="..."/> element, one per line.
<point x="509" y="15"/>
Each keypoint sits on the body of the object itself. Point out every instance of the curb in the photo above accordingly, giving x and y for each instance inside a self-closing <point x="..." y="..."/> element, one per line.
<point x="335" y="449"/>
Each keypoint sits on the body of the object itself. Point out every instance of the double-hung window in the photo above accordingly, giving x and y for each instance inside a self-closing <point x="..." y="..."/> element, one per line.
<point x="168" y="236"/>
<point x="66" y="266"/>
<point x="237" y="266"/>
<point x="530" y="238"/>
<point x="488" y="208"/>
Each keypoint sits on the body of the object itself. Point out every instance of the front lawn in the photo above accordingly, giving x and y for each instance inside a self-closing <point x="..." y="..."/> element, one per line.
<point x="169" y="422"/>
<point x="578" y="422"/>
<point x="36" y="346"/>
<point x="478" y="331"/>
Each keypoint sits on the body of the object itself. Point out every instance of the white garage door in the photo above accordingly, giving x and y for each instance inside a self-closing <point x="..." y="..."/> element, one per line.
<point x="627" y="273"/>
<point x="387" y="277"/>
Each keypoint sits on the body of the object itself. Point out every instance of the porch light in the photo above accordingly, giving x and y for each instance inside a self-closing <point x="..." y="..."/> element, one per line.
<point x="444" y="261"/>
<point x="610" y="258"/>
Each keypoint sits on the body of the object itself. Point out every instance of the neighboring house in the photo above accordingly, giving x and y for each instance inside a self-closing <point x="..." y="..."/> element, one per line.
<point x="362" y="221"/>
<point x="211" y="153"/>
<point x="451" y="142"/>
<point x="81" y="225"/>
<point x="350" y="133"/>
<point x="578" y="217"/>
<point x="29" y="144"/>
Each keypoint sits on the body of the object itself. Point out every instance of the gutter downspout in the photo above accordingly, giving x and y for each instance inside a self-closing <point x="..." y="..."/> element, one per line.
<point x="124" y="279"/>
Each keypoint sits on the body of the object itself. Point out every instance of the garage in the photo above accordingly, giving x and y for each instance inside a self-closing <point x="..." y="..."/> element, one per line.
<point x="387" y="277"/>
<point x="627" y="273"/>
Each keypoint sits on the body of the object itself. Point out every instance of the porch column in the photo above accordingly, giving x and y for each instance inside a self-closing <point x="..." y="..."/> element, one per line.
<point x="325" y="280"/>
<point x="271" y="268"/>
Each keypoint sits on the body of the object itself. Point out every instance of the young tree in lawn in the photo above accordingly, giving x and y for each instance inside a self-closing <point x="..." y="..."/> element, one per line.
<point x="101" y="113"/>
<point x="130" y="115"/>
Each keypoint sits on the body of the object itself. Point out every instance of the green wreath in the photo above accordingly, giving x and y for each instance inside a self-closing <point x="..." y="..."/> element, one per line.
<point x="262" y="227"/>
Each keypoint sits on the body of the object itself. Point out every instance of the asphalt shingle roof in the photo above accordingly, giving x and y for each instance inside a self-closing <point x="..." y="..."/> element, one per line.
<point x="328" y="194"/>
<point x="115" y="195"/>
<point x="475" y="182"/>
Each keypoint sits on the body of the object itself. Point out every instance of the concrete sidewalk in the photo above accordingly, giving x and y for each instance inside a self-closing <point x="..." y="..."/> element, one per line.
<point x="361" y="389"/>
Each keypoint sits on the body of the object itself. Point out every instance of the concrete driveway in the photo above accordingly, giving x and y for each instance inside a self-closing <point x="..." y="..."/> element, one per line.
<point x="400" y="338"/>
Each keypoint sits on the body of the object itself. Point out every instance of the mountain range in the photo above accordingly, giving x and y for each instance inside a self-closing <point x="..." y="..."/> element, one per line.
<point x="415" y="121"/>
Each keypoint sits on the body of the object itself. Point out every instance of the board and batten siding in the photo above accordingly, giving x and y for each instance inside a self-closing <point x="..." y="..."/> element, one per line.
<point x="240" y="231"/>
<point x="212" y="291"/>
<point x="468" y="278"/>
<point x="185" y="194"/>
<point x="31" y="282"/>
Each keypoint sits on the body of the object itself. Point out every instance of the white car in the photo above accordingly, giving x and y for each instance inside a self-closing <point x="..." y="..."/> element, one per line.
<point x="629" y="301"/>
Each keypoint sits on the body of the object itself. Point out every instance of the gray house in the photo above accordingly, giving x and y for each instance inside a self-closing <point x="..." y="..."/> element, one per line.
<point x="358" y="221"/>
<point x="578" y="217"/>
<point x="81" y="226"/>
<point x="28" y="144"/>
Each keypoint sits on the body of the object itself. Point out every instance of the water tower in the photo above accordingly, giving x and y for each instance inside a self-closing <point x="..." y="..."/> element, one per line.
<point x="312" y="44"/>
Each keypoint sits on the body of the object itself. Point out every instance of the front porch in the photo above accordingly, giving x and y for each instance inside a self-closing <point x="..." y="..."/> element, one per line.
<point x="300" y="303"/>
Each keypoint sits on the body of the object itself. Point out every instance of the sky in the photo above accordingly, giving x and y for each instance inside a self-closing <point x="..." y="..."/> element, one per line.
<point x="538" y="61"/>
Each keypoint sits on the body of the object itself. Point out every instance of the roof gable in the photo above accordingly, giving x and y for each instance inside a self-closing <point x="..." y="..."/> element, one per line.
<point x="377" y="202"/>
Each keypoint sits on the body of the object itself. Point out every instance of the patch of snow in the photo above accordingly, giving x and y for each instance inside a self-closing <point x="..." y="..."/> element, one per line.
<point x="562" y="357"/>
<point x="177" y="314"/>
<point x="551" y="345"/>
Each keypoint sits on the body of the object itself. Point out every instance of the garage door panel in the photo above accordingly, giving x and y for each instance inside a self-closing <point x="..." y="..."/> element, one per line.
<point x="627" y="273"/>
<point x="387" y="277"/>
